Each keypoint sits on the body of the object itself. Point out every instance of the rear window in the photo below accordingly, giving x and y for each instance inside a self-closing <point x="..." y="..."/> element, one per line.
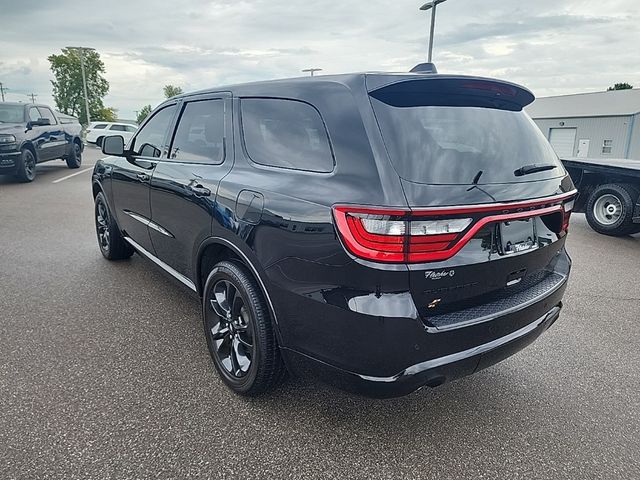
<point x="286" y="134"/>
<point x="461" y="139"/>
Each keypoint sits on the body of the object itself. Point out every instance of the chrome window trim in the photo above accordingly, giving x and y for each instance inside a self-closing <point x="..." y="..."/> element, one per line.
<point x="145" y="221"/>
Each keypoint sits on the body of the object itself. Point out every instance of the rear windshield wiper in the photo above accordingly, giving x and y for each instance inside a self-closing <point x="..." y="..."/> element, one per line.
<point x="534" y="168"/>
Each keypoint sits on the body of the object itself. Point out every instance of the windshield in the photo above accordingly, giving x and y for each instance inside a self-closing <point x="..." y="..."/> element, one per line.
<point x="464" y="144"/>
<point x="11" y="113"/>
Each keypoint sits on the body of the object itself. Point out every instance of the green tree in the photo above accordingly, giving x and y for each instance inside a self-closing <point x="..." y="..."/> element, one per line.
<point x="171" y="91"/>
<point x="143" y="113"/>
<point x="620" y="86"/>
<point x="106" y="114"/>
<point x="68" y="92"/>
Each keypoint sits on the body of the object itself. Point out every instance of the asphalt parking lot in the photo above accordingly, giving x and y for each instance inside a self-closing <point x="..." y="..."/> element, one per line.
<point x="104" y="373"/>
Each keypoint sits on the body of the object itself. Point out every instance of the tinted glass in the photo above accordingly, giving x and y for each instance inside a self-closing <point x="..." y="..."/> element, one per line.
<point x="463" y="145"/>
<point x="34" y="114"/>
<point x="200" y="134"/>
<point x="150" y="139"/>
<point x="99" y="126"/>
<point x="130" y="128"/>
<point x="46" y="113"/>
<point x="285" y="133"/>
<point x="118" y="128"/>
<point x="11" y="113"/>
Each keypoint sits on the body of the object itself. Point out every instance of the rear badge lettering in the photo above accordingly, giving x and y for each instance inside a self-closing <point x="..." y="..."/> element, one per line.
<point x="437" y="275"/>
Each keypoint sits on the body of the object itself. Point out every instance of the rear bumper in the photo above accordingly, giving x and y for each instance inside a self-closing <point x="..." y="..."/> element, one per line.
<point x="431" y="372"/>
<point x="392" y="351"/>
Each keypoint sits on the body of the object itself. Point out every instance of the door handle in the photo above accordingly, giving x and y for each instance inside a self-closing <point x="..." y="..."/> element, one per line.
<point x="143" y="177"/>
<point x="199" y="190"/>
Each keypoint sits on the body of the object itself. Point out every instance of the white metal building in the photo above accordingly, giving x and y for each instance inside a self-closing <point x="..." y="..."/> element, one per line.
<point x="595" y="125"/>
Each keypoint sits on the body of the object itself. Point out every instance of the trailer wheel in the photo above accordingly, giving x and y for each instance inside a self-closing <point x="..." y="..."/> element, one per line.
<point x="610" y="209"/>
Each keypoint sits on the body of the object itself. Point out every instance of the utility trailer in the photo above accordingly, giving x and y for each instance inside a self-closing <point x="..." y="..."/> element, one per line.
<point x="609" y="193"/>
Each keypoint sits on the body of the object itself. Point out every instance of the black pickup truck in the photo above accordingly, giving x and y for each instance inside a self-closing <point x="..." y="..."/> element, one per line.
<point x="30" y="134"/>
<point x="609" y="193"/>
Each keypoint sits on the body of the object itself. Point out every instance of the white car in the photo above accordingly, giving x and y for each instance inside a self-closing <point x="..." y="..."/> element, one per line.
<point x="98" y="130"/>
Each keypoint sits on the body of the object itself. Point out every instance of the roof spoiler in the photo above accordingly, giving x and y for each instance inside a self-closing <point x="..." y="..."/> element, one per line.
<point x="450" y="91"/>
<point x="424" y="68"/>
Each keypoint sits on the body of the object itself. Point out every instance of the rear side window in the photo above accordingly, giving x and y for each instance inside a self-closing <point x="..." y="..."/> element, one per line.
<point x="286" y="134"/>
<point x="150" y="139"/>
<point x="200" y="134"/>
<point x="130" y="128"/>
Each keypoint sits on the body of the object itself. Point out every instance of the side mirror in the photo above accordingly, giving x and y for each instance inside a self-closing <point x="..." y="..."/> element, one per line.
<point x="113" y="145"/>
<point x="41" y="122"/>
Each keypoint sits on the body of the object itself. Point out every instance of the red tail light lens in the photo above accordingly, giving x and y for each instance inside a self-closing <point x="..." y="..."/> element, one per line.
<point x="567" y="208"/>
<point x="416" y="236"/>
<point x="393" y="236"/>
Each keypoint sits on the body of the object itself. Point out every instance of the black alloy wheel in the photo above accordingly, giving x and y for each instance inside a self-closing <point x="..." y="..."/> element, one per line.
<point x="27" y="166"/>
<point x="112" y="244"/>
<point x="74" y="159"/>
<point x="231" y="329"/>
<point x="102" y="226"/>
<point x="240" y="336"/>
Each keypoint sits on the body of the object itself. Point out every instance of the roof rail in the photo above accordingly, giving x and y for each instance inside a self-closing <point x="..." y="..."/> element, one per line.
<point x="425" y="68"/>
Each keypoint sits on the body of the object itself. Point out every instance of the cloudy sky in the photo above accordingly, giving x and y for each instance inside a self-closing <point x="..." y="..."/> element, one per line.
<point x="551" y="46"/>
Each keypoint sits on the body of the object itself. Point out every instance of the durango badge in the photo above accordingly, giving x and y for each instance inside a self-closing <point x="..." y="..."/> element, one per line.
<point x="433" y="275"/>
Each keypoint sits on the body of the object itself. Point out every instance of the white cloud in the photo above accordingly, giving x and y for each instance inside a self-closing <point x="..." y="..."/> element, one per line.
<point x="550" y="46"/>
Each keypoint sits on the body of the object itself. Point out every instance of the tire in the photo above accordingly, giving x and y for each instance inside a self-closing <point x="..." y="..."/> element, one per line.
<point x="74" y="159"/>
<point x="112" y="245"/>
<point x="610" y="209"/>
<point x="99" y="142"/>
<point x="239" y="331"/>
<point x="26" y="171"/>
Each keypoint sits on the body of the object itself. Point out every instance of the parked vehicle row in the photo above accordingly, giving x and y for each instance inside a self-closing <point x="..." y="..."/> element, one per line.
<point x="31" y="134"/>
<point x="383" y="231"/>
<point x="96" y="131"/>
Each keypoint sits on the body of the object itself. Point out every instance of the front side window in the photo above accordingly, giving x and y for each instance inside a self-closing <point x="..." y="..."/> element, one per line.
<point x="118" y="128"/>
<point x="34" y="114"/>
<point x="607" y="147"/>
<point x="200" y="134"/>
<point x="99" y="126"/>
<point x="150" y="139"/>
<point x="46" y="113"/>
<point x="286" y="134"/>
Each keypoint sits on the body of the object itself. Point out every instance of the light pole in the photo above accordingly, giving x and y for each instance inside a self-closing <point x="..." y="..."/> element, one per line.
<point x="81" y="51"/>
<point x="431" y="6"/>
<point x="311" y="70"/>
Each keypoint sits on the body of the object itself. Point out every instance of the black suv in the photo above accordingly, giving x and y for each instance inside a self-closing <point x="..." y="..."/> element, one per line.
<point x="383" y="231"/>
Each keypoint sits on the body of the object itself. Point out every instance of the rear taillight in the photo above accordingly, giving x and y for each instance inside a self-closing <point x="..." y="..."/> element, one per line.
<point x="567" y="208"/>
<point x="393" y="236"/>
<point x="418" y="236"/>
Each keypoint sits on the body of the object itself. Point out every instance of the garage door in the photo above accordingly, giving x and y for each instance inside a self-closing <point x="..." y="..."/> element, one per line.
<point x="563" y="140"/>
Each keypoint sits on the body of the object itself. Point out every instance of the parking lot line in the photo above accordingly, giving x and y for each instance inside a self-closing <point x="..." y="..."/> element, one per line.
<point x="72" y="175"/>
